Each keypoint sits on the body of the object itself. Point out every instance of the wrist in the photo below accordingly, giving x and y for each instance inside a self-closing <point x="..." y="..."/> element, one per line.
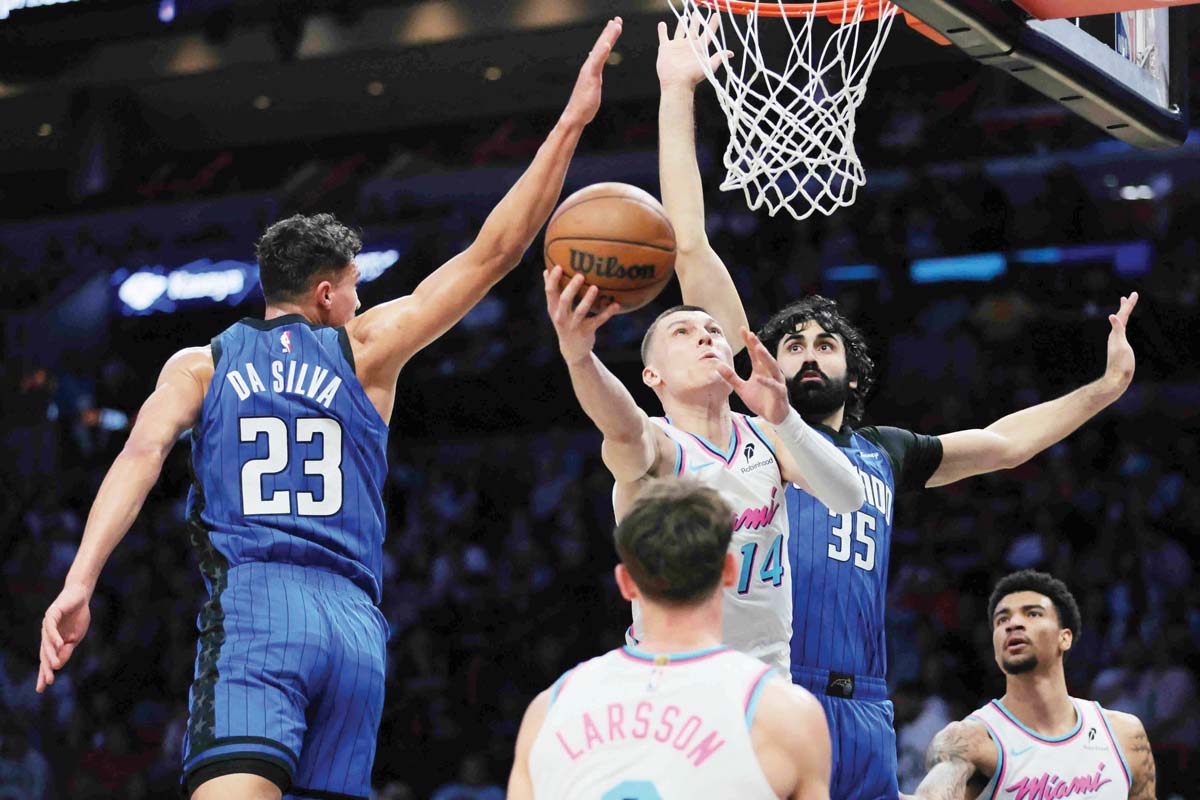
<point x="679" y="86"/>
<point x="84" y="583"/>
<point x="575" y="361"/>
<point x="792" y="425"/>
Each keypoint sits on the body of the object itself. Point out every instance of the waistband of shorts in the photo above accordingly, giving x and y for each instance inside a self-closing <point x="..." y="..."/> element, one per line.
<point x="840" y="684"/>
<point x="310" y="577"/>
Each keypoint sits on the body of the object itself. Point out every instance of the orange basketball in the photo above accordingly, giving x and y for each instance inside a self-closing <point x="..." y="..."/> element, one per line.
<point x="619" y="238"/>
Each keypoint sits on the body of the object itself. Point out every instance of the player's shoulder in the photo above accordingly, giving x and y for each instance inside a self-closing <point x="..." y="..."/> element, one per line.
<point x="789" y="714"/>
<point x="1125" y="726"/>
<point x="196" y="361"/>
<point x="963" y="740"/>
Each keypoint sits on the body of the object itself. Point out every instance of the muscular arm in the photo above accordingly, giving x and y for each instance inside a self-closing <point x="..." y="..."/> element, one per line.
<point x="957" y="762"/>
<point x="703" y="278"/>
<point x="1131" y="736"/>
<point x="520" y="782"/>
<point x="172" y="408"/>
<point x="791" y="739"/>
<point x="388" y="335"/>
<point x="1011" y="441"/>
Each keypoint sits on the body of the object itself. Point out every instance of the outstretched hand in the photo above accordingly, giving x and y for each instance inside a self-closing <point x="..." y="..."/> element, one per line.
<point x="64" y="625"/>
<point x="585" y="98"/>
<point x="576" y="330"/>
<point x="1121" y="361"/>
<point x="679" y="58"/>
<point x="765" y="392"/>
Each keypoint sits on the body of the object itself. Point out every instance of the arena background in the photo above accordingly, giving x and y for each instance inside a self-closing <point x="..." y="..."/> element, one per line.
<point x="144" y="145"/>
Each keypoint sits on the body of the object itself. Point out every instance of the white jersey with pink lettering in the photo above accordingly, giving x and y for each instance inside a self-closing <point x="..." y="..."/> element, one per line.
<point x="630" y="724"/>
<point x="757" y="611"/>
<point x="1086" y="763"/>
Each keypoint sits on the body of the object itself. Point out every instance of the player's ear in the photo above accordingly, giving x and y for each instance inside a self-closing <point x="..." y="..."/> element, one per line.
<point x="625" y="582"/>
<point x="1065" y="639"/>
<point x="729" y="571"/>
<point x="323" y="293"/>
<point x="650" y="377"/>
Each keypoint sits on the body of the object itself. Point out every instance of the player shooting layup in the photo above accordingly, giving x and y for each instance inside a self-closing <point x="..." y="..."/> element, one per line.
<point x="680" y="715"/>
<point x="289" y="419"/>
<point x="1037" y="741"/>
<point x="839" y="559"/>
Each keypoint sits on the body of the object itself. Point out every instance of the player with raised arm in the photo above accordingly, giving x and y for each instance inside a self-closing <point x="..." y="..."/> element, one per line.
<point x="838" y="558"/>
<point x="688" y="364"/>
<point x="289" y="444"/>
<point x="1037" y="741"/>
<point x="680" y="714"/>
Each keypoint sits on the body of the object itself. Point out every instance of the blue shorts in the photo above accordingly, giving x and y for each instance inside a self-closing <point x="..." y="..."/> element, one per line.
<point x="861" y="729"/>
<point x="289" y="680"/>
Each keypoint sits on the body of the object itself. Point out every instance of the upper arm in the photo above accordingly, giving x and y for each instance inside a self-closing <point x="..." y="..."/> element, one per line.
<point x="705" y="281"/>
<point x="174" y="405"/>
<point x="520" y="782"/>
<point x="970" y="452"/>
<point x="791" y="739"/>
<point x="641" y="454"/>
<point x="391" y="333"/>
<point x="957" y="757"/>
<point x="1135" y="745"/>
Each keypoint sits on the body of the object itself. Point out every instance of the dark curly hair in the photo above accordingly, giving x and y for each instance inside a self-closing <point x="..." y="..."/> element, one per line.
<point x="1028" y="580"/>
<point x="825" y="312"/>
<point x="295" y="250"/>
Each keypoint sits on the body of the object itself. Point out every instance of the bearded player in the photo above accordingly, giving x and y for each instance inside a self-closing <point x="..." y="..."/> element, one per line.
<point x="1037" y="741"/>
<point x="839" y="559"/>
<point x="289" y="450"/>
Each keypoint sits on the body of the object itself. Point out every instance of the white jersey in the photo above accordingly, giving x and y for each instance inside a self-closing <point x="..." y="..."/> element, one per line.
<point x="632" y="724"/>
<point x="757" y="612"/>
<point x="1086" y="763"/>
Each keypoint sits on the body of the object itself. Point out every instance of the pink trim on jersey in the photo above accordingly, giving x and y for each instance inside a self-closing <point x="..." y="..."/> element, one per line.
<point x="1029" y="735"/>
<point x="754" y="686"/>
<point x="670" y="663"/>
<point x="996" y="740"/>
<point x="737" y="444"/>
<point x="1116" y="749"/>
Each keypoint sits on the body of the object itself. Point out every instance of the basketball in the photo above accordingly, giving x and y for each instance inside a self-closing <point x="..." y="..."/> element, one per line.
<point x="619" y="238"/>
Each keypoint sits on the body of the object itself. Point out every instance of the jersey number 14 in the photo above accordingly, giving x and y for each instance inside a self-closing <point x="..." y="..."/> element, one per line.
<point x="327" y="467"/>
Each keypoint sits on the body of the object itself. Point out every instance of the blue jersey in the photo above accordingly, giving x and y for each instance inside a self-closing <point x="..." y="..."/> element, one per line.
<point x="289" y="455"/>
<point x="840" y="561"/>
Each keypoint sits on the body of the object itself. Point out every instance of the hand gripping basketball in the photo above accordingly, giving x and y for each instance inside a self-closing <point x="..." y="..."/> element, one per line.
<point x="576" y="330"/>
<point x="585" y="98"/>
<point x="765" y="392"/>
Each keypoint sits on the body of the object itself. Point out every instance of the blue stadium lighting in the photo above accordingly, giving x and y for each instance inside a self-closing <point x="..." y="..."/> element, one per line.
<point x="166" y="11"/>
<point x="853" y="272"/>
<point x="1039" y="255"/>
<point x="373" y="263"/>
<point x="980" y="267"/>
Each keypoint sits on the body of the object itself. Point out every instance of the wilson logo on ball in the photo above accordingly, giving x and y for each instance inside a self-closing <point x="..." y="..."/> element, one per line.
<point x="608" y="267"/>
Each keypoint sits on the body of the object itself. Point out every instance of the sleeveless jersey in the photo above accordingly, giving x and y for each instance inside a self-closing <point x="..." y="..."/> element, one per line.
<point x="630" y="724"/>
<point x="757" y="612"/>
<point x="289" y="455"/>
<point x="1086" y="763"/>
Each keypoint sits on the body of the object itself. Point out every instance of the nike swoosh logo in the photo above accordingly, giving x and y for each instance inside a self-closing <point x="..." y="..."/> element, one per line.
<point x="698" y="467"/>
<point x="1022" y="751"/>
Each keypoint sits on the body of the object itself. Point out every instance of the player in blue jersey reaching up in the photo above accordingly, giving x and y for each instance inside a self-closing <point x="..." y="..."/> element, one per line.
<point x="289" y="441"/>
<point x="838" y="561"/>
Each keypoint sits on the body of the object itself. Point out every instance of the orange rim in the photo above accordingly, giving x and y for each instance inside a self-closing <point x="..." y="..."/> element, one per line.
<point x="835" y="11"/>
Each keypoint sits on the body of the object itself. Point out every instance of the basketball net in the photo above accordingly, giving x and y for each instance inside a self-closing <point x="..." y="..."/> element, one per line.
<point x="791" y="128"/>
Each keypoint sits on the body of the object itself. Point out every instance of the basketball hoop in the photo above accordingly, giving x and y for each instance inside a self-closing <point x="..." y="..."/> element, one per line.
<point x="791" y="128"/>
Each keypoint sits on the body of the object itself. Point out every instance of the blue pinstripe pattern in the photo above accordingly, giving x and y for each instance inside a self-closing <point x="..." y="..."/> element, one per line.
<point x="293" y="664"/>
<point x="864" y="749"/>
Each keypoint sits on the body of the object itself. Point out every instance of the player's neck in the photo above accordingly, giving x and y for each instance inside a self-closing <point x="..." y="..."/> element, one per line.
<point x="1040" y="701"/>
<point x="274" y="310"/>
<point x="832" y="421"/>
<point x="704" y="414"/>
<point x="680" y="630"/>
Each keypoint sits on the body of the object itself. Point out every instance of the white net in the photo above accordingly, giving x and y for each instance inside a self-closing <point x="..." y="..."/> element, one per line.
<point x="791" y="127"/>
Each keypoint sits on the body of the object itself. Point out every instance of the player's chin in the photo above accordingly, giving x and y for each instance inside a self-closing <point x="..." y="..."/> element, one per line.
<point x="1019" y="665"/>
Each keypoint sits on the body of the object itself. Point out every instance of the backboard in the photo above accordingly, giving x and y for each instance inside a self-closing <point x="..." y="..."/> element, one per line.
<point x="1125" y="72"/>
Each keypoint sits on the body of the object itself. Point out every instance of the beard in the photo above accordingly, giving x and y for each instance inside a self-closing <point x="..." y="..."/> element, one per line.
<point x="816" y="400"/>
<point x="1019" y="666"/>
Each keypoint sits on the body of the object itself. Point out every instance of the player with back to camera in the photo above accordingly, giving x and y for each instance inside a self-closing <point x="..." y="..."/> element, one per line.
<point x="1037" y="741"/>
<point x="838" y="558"/>
<point x="289" y="447"/>
<point x="680" y="714"/>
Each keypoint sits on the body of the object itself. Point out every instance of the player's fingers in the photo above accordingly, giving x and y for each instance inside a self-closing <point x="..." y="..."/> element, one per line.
<point x="697" y="26"/>
<point x="663" y="38"/>
<point x="709" y="27"/>
<point x="717" y="60"/>
<point x="730" y="377"/>
<point x="585" y="305"/>
<point x="681" y="28"/>
<point x="604" y="316"/>
<point x="1127" y="304"/>
<point x="50" y="626"/>
<point x="552" y="278"/>
<point x="566" y="300"/>
<point x="50" y="654"/>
